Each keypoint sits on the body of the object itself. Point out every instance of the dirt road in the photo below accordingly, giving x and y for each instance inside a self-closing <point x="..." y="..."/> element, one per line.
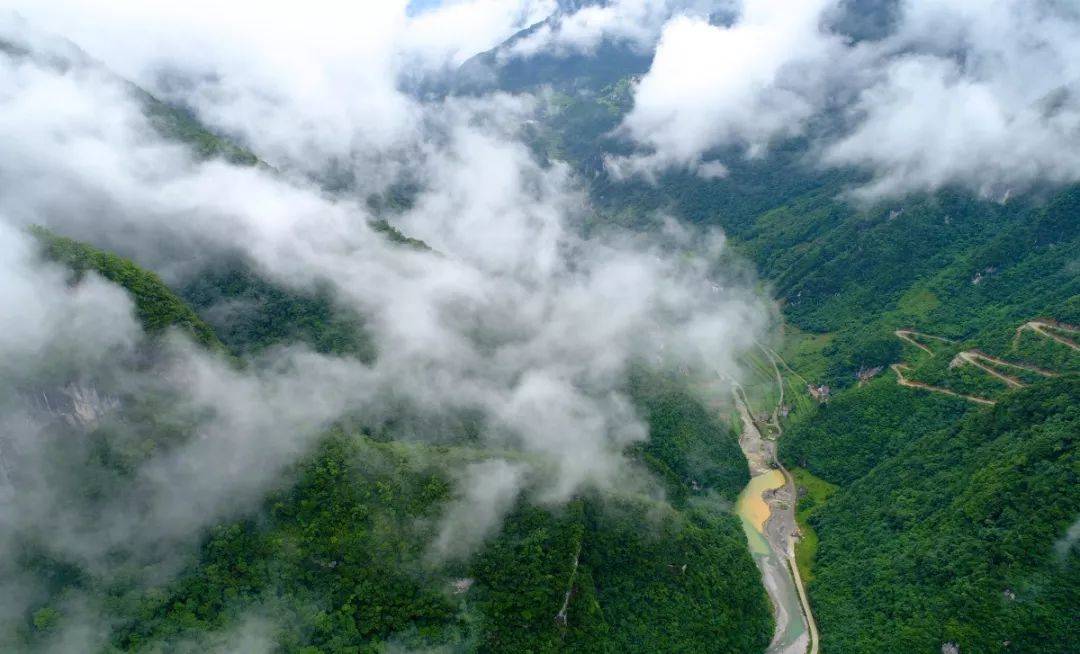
<point x="908" y="337"/>
<point x="1044" y="328"/>
<point x="899" y="369"/>
<point x="976" y="358"/>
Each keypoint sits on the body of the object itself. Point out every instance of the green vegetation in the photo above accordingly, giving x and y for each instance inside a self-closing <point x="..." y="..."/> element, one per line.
<point x="156" y="305"/>
<point x="180" y="125"/>
<point x="845" y="438"/>
<point x="395" y="236"/>
<point x="251" y="314"/>
<point x="803" y="352"/>
<point x="949" y="263"/>
<point x="172" y="122"/>
<point x="1041" y="351"/>
<point x="813" y="493"/>
<point x="248" y="312"/>
<point x="622" y="564"/>
<point x="339" y="561"/>
<point x="959" y="537"/>
<point x="652" y="603"/>
<point x="688" y="446"/>
<point x="338" y="558"/>
<point x="927" y="519"/>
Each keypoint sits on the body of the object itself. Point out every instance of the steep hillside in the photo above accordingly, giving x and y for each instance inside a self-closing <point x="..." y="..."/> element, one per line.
<point x="505" y="68"/>
<point x="252" y="314"/>
<point x="338" y="557"/>
<point x="970" y="272"/>
<point x="174" y="123"/>
<point x="504" y="445"/>
<point x="155" y="303"/>
<point x="960" y="536"/>
<point x="339" y="560"/>
<point x="963" y="265"/>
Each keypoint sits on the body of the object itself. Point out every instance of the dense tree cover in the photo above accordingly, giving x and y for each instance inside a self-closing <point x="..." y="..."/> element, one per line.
<point x="845" y="438"/>
<point x="227" y="300"/>
<point x="156" y="305"/>
<point x="949" y="524"/>
<point x="250" y="313"/>
<point x="961" y="537"/>
<point x="1026" y="270"/>
<point x="336" y="561"/>
<point x="1044" y="352"/>
<point x="396" y="236"/>
<point x="339" y="561"/>
<point x="619" y="565"/>
<point x="813" y="493"/>
<point x="338" y="557"/>
<point x="949" y="372"/>
<point x="1015" y="266"/>
<point x="688" y="447"/>
<point x="947" y="262"/>
<point x="525" y="575"/>
<point x="677" y="583"/>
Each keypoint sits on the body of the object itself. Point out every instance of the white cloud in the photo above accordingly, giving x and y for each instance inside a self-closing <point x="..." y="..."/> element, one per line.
<point x="89" y="321"/>
<point x="634" y="22"/>
<point x="983" y="95"/>
<point x="457" y="30"/>
<point x="310" y="85"/>
<point x="745" y="84"/>
<point x="980" y="94"/>
<point x="518" y="317"/>
<point x="929" y="125"/>
<point x="491" y="488"/>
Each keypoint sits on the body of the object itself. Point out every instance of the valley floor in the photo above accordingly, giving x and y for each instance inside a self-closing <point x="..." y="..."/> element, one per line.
<point x="767" y="510"/>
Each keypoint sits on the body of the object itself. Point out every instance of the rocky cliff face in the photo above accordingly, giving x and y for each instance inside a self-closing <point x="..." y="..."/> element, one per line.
<point x="79" y="404"/>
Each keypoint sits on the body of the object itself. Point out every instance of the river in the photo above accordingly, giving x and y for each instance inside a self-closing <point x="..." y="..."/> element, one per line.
<point x="766" y="509"/>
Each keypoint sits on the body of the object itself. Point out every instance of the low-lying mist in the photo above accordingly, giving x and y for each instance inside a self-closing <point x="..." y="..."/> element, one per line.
<point x="513" y="317"/>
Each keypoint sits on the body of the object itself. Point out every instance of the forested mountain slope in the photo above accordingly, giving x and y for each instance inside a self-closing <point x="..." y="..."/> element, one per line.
<point x="157" y="306"/>
<point x="960" y="536"/>
<point x="950" y="262"/>
<point x="899" y="566"/>
<point x="339" y="556"/>
<point x="339" y="560"/>
<point x="486" y="491"/>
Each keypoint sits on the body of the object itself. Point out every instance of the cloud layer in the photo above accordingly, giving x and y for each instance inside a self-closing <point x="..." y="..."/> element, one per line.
<point x="515" y="317"/>
<point x="582" y="28"/>
<point x="313" y="88"/>
<point x="950" y="92"/>
<point x="743" y="84"/>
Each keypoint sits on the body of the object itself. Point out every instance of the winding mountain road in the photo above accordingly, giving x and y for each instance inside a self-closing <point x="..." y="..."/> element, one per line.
<point x="1043" y="328"/>
<point x="981" y="360"/>
<point x="976" y="358"/>
<point x="899" y="369"/>
<point x="908" y="336"/>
